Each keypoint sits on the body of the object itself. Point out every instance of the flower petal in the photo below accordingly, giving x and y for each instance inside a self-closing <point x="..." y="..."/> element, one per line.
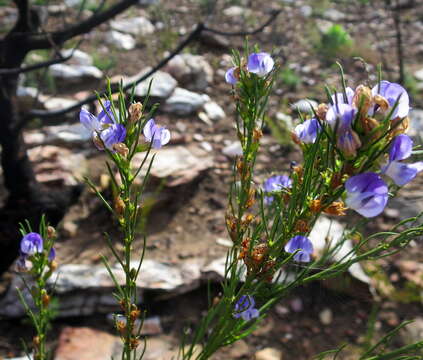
<point x="401" y="148"/>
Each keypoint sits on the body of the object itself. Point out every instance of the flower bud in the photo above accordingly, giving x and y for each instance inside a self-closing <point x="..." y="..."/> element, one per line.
<point x="121" y="149"/>
<point x="134" y="314"/>
<point x="120" y="326"/>
<point x="135" y="111"/>
<point x="321" y="111"/>
<point x="98" y="142"/>
<point x="53" y="265"/>
<point x="315" y="205"/>
<point x="382" y="102"/>
<point x="363" y="99"/>
<point x="45" y="298"/>
<point x="257" y="134"/>
<point x="336" y="208"/>
<point x="302" y="226"/>
<point x="348" y="143"/>
<point x="119" y="205"/>
<point x="51" y="232"/>
<point x="401" y="128"/>
<point x="36" y="341"/>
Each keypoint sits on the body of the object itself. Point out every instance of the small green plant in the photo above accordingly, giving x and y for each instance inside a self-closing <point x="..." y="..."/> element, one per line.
<point x="104" y="63"/>
<point x="335" y="43"/>
<point x="290" y="78"/>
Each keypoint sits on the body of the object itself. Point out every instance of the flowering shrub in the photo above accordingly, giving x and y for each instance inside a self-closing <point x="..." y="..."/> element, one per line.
<point x="353" y="149"/>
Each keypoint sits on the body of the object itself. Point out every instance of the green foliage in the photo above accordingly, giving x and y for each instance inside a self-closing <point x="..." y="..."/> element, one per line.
<point x="104" y="63"/>
<point x="335" y="43"/>
<point x="290" y="78"/>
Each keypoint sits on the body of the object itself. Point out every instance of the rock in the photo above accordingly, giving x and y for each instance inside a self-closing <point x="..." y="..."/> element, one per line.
<point x="297" y="304"/>
<point x="56" y="9"/>
<point x="238" y="350"/>
<point x="334" y="15"/>
<point x="330" y="232"/>
<point x="268" y="354"/>
<point x="158" y="349"/>
<point x="214" y="111"/>
<point x="304" y="106"/>
<point x="27" y="98"/>
<point x="286" y="120"/>
<point x="120" y="40"/>
<point x="78" y="57"/>
<point x="224" y="242"/>
<point x="175" y="165"/>
<point x="148" y="2"/>
<point x="416" y="123"/>
<point x="306" y="10"/>
<point x="137" y="26"/>
<point x="57" y="165"/>
<point x="56" y="103"/>
<point x="326" y="316"/>
<point x="184" y="102"/>
<point x="84" y="289"/>
<point x="412" y="271"/>
<point x="236" y="11"/>
<point x="419" y="75"/>
<point x="58" y="135"/>
<point x="75" y="73"/>
<point x="83" y="343"/>
<point x="233" y="150"/>
<point x="162" y="86"/>
<point x="191" y="71"/>
<point x="413" y="332"/>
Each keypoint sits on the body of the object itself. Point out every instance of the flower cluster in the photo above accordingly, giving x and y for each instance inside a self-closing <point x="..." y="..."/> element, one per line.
<point x="362" y="121"/>
<point x="260" y="64"/>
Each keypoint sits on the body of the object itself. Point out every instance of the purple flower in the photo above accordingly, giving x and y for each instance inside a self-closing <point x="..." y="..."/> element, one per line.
<point x="230" y="76"/>
<point x="105" y="131"/>
<point x="341" y="116"/>
<point x="399" y="172"/>
<point x="367" y="194"/>
<point x="275" y="183"/>
<point x="260" y="63"/>
<point x="338" y="98"/>
<point x="348" y="142"/>
<point x="158" y="135"/>
<point x="392" y="92"/>
<point x="307" y="131"/>
<point x="51" y="254"/>
<point x="245" y="308"/>
<point x="31" y="243"/>
<point x="22" y="263"/>
<point x="301" y="243"/>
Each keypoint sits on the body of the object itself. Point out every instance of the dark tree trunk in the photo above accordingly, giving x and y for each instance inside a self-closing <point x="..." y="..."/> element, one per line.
<point x="27" y="199"/>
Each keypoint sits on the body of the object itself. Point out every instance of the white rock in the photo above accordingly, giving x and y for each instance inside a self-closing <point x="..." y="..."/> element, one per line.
<point x="286" y="120"/>
<point x="75" y="73"/>
<point x="326" y="316"/>
<point x="416" y="123"/>
<point x="328" y="232"/>
<point x="78" y="57"/>
<point x="56" y="103"/>
<point x="120" y="40"/>
<point x="419" y="75"/>
<point x="334" y="15"/>
<point x="306" y="10"/>
<point x="162" y="86"/>
<point x="183" y="102"/>
<point x="305" y="106"/>
<point x="214" y="111"/>
<point x="268" y="354"/>
<point x="233" y="150"/>
<point x="74" y="133"/>
<point x="137" y="26"/>
<point x="175" y="164"/>
<point x="191" y="71"/>
<point x="236" y="11"/>
<point x="413" y="332"/>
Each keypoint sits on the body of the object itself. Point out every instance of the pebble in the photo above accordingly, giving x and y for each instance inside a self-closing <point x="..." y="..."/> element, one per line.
<point x="268" y="354"/>
<point x="326" y="316"/>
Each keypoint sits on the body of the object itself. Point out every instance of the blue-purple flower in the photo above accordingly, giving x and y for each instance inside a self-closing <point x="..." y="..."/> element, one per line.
<point x="307" y="131"/>
<point x="260" y="63"/>
<point x="338" y="98"/>
<point x="31" y="244"/>
<point x="104" y="129"/>
<point x="155" y="134"/>
<point x="245" y="309"/>
<point x="392" y="92"/>
<point x="301" y="243"/>
<point x="399" y="172"/>
<point x="341" y="116"/>
<point x="367" y="194"/>
<point x="230" y="76"/>
<point x="51" y="254"/>
<point x="275" y="183"/>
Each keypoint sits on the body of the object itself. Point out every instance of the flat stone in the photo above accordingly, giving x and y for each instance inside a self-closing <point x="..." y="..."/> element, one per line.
<point x="334" y="15"/>
<point x="419" y="75"/>
<point x="175" y="164"/>
<point x="184" y="102"/>
<point x="56" y="103"/>
<point x="416" y="123"/>
<point x="162" y="86"/>
<point x="78" y="57"/>
<point x="75" y="73"/>
<point x="120" y="40"/>
<point x="328" y="232"/>
<point x="83" y="343"/>
<point x="268" y="354"/>
<point x="191" y="71"/>
<point x="233" y="150"/>
<point x="137" y="26"/>
<point x="236" y="11"/>
<point x="214" y="111"/>
<point x="304" y="106"/>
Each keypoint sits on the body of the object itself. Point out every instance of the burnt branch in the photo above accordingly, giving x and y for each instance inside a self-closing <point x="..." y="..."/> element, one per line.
<point x="115" y="87"/>
<point x="37" y="66"/>
<point x="271" y="18"/>
<point x="46" y="40"/>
